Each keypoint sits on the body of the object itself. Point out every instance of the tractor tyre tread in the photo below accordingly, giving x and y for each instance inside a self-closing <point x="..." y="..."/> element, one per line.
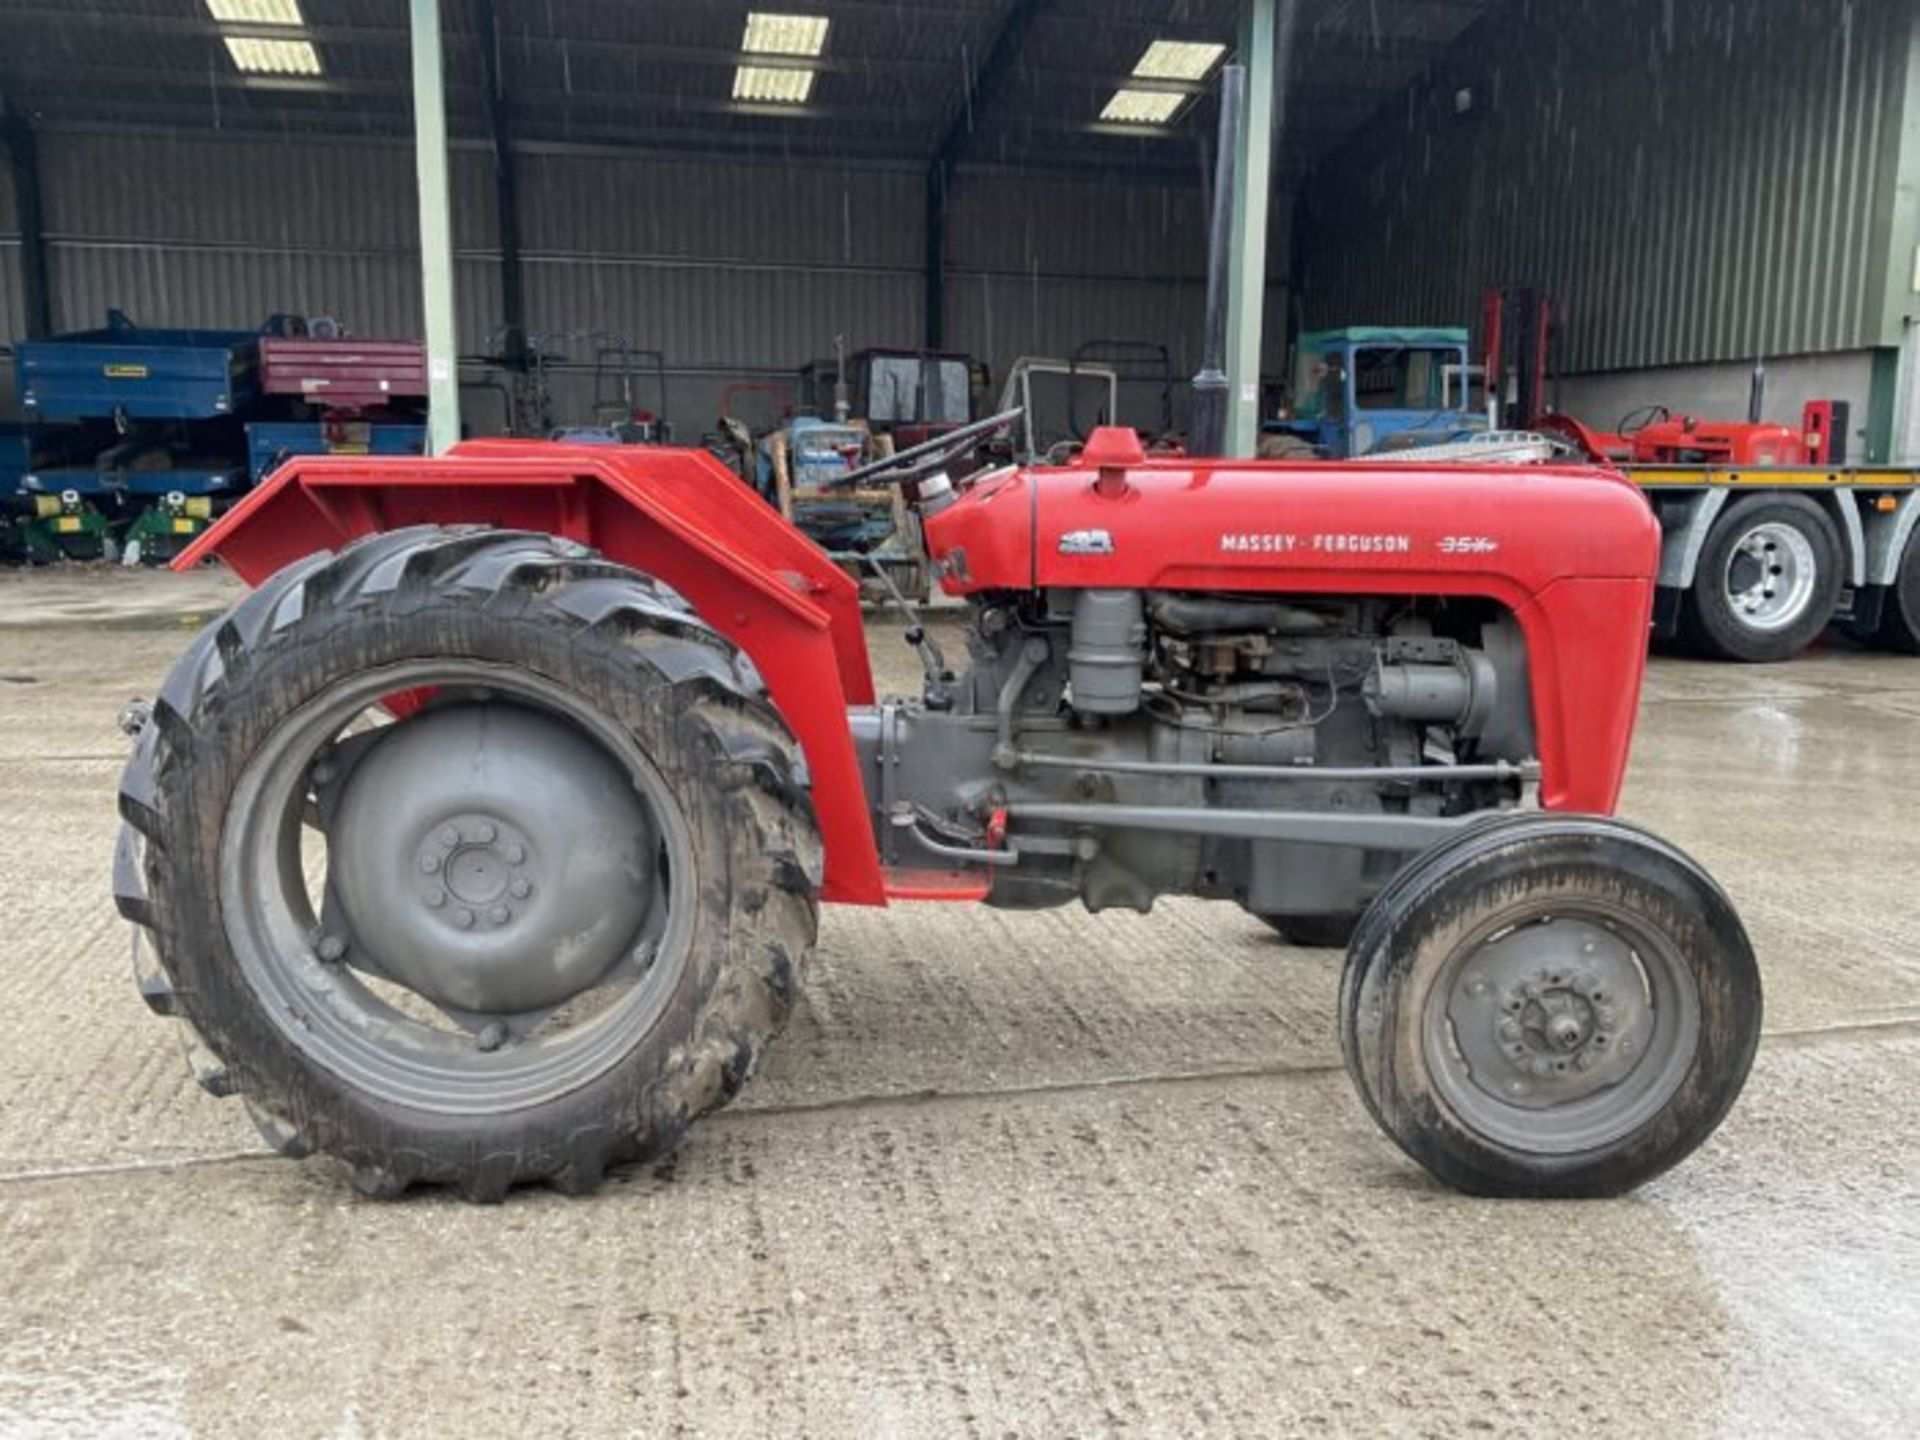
<point x="1402" y="1102"/>
<point x="633" y="646"/>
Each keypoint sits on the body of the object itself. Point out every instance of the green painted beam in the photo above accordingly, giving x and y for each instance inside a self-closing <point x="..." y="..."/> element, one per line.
<point x="1900" y="298"/>
<point x="1252" y="203"/>
<point x="436" y="224"/>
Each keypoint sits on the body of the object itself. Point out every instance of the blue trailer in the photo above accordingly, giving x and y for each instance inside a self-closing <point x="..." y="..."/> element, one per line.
<point x="270" y="443"/>
<point x="126" y="373"/>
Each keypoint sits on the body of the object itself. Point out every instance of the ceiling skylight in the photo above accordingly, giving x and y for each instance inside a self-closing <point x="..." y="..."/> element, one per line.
<point x="1164" y="64"/>
<point x="772" y="33"/>
<point x="255" y="56"/>
<point x="1178" y="60"/>
<point x="257" y="12"/>
<point x="773" y="86"/>
<point x="1142" y="107"/>
<point x="789" y="37"/>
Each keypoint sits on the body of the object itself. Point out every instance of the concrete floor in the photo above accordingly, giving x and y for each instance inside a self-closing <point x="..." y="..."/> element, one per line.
<point x="1005" y="1174"/>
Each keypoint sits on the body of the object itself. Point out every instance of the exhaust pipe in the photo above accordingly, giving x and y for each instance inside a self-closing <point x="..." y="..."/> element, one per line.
<point x="1207" y="435"/>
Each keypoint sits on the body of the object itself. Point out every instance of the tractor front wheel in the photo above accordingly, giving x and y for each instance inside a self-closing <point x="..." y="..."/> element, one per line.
<point x="473" y="859"/>
<point x="1550" y="1006"/>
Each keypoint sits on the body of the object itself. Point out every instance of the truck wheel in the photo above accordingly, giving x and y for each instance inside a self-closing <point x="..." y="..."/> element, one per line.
<point x="1767" y="582"/>
<point x="1314" y="932"/>
<point x="1900" y="620"/>
<point x="1564" y="1006"/>
<point x="529" y="928"/>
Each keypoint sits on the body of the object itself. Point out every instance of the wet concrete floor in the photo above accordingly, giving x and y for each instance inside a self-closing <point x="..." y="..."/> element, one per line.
<point x="1043" y="1175"/>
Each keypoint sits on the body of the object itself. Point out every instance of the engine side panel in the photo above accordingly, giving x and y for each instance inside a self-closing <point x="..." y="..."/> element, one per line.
<point x="677" y="515"/>
<point x="1572" y="552"/>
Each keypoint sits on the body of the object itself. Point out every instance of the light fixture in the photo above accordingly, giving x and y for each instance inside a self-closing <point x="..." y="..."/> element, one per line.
<point x="257" y="12"/>
<point x="779" y="85"/>
<point x="255" y="56"/>
<point x="1142" y="107"/>
<point x="1178" y="60"/>
<point x="772" y="33"/>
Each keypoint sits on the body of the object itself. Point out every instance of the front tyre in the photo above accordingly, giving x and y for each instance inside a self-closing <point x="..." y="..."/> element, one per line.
<point x="474" y="858"/>
<point x="1560" y="1006"/>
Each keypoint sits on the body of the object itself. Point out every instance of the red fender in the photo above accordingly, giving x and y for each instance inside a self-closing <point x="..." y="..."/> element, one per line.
<point x="675" y="514"/>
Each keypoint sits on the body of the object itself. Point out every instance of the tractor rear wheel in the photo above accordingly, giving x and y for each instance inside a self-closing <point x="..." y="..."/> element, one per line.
<point x="1767" y="582"/>
<point x="472" y="858"/>
<point x="1314" y="932"/>
<point x="1550" y="1006"/>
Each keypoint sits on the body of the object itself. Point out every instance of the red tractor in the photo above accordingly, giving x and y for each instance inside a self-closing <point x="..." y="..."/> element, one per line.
<point x="483" y="843"/>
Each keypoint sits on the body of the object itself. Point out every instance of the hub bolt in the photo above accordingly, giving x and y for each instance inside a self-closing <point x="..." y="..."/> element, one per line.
<point x="520" y="888"/>
<point x="493" y="1037"/>
<point x="516" y="854"/>
<point x="331" y="948"/>
<point x="463" y="918"/>
<point x="430" y="864"/>
<point x="499" y="915"/>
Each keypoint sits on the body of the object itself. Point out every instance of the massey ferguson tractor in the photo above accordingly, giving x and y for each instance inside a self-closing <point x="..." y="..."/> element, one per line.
<point x="483" y="843"/>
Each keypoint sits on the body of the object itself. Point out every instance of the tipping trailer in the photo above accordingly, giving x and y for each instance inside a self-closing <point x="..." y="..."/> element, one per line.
<point x="324" y="392"/>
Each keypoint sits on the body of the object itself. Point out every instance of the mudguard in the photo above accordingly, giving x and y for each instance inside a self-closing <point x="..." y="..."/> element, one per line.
<point x="675" y="514"/>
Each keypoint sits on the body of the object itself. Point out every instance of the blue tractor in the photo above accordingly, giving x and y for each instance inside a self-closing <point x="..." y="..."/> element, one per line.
<point x="1368" y="389"/>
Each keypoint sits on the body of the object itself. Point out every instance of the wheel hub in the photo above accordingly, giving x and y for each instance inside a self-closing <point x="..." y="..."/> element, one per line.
<point x="1770" y="576"/>
<point x="476" y="869"/>
<point x="1553" y="1021"/>
<point x="1550" y="1013"/>
<point x="490" y="857"/>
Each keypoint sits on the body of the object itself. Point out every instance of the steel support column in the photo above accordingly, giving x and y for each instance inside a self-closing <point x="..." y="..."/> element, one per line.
<point x="506" y="184"/>
<point x="934" y="330"/>
<point x="982" y="82"/>
<point x="436" y="224"/>
<point x="23" y="155"/>
<point x="1252" y="202"/>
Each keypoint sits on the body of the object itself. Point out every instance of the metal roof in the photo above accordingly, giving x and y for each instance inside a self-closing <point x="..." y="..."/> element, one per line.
<point x="896" y="78"/>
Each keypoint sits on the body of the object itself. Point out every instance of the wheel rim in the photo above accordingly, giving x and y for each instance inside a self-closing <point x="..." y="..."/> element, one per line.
<point x="1770" y="576"/>
<point x="459" y="962"/>
<point x="1561" y="1031"/>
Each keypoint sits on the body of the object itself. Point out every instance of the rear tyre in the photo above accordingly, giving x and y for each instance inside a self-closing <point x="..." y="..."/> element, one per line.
<point x="1314" y="932"/>
<point x="529" y="930"/>
<point x="1767" y="582"/>
<point x="1900" y="619"/>
<point x="1556" y="1006"/>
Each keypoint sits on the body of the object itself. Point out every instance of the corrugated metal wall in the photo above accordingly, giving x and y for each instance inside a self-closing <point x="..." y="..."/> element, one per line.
<point x="731" y="269"/>
<point x="1038" y="266"/>
<point x="1695" y="182"/>
<point x="222" y="232"/>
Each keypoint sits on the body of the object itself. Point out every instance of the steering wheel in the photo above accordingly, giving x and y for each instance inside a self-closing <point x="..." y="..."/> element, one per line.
<point x="1652" y="414"/>
<point x="928" y="454"/>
